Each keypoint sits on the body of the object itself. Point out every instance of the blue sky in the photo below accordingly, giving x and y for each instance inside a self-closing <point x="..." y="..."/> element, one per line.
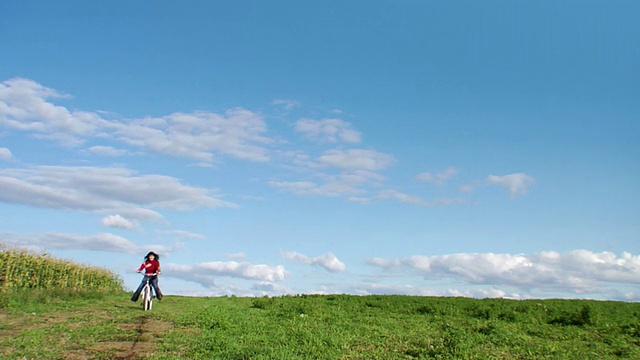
<point x="451" y="148"/>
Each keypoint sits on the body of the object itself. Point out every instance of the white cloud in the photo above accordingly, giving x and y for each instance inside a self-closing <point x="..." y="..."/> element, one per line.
<point x="489" y="293"/>
<point x="104" y="242"/>
<point x="206" y="273"/>
<point x="265" y="288"/>
<point x="328" y="130"/>
<point x="296" y="187"/>
<point x="327" y="261"/>
<point x="485" y="293"/>
<point x="632" y="296"/>
<point x="344" y="173"/>
<point x="383" y="263"/>
<point x="356" y="159"/>
<point x="5" y="154"/>
<point x="288" y="105"/>
<point x="347" y="182"/>
<point x="517" y="184"/>
<point x="199" y="135"/>
<point x="578" y="271"/>
<point x="410" y="199"/>
<point x="333" y="187"/>
<point x="467" y="188"/>
<point x="106" y="151"/>
<point x="25" y="106"/>
<point x="383" y="289"/>
<point x="102" y="190"/>
<point x="359" y="200"/>
<point x="117" y="221"/>
<point x="440" y="178"/>
<point x="185" y="234"/>
<point x="402" y="197"/>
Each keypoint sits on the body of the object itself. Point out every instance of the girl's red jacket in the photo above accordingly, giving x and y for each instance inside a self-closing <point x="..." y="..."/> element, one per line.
<point x="150" y="267"/>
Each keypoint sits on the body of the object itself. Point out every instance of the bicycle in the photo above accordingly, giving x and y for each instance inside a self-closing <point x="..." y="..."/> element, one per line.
<point x="147" y="294"/>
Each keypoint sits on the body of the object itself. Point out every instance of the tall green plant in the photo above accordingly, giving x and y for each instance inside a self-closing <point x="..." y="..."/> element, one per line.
<point x="20" y="269"/>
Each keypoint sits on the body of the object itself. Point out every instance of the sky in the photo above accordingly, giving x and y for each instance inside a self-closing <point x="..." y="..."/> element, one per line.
<point x="435" y="148"/>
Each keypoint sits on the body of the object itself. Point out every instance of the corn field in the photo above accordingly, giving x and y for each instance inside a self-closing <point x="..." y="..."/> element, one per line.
<point x="21" y="269"/>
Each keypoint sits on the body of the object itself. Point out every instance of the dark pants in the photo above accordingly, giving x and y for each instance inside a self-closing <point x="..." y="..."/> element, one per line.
<point x="153" y="281"/>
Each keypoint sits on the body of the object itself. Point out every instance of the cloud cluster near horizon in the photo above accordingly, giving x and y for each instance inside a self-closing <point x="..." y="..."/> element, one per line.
<point x="518" y="276"/>
<point x="578" y="271"/>
<point x="327" y="261"/>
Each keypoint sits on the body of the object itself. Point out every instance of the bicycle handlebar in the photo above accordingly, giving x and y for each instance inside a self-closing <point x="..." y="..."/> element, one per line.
<point x="154" y="274"/>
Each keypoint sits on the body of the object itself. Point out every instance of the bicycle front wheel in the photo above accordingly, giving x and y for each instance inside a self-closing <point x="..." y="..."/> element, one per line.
<point x="147" y="299"/>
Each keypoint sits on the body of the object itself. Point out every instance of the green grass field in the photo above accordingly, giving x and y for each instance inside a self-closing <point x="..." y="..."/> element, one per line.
<point x="62" y="324"/>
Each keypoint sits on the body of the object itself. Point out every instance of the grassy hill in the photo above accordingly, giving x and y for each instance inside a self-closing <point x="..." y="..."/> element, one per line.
<point x="57" y="324"/>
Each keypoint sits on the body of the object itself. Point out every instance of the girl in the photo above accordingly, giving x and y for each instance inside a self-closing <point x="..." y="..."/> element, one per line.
<point x="151" y="267"/>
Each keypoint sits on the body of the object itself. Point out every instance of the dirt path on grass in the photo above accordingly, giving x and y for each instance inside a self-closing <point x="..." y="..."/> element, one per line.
<point x="143" y="346"/>
<point x="140" y="346"/>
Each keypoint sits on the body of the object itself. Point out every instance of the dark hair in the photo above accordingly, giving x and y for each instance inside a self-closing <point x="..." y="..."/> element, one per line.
<point x="154" y="255"/>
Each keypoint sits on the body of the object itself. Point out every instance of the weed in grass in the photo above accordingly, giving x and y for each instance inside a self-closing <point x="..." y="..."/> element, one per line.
<point x="579" y="317"/>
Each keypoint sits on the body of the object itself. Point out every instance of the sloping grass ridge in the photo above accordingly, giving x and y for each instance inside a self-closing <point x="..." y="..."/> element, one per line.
<point x="106" y="325"/>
